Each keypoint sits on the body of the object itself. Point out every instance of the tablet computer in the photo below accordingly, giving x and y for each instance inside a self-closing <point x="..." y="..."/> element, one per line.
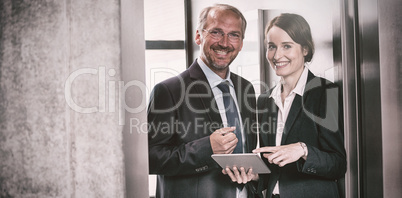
<point x="246" y="160"/>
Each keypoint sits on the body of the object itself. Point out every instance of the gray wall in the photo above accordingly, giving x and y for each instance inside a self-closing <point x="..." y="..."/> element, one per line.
<point x="48" y="147"/>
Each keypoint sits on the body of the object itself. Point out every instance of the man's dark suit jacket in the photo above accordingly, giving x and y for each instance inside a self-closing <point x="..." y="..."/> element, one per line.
<point x="182" y="114"/>
<point x="316" y="118"/>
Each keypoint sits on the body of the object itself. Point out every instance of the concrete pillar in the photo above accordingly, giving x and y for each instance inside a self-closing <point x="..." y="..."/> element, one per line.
<point x="60" y="67"/>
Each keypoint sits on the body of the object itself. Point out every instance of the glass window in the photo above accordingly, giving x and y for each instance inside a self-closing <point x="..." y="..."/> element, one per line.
<point x="163" y="64"/>
<point x="164" y="20"/>
<point x="165" y="55"/>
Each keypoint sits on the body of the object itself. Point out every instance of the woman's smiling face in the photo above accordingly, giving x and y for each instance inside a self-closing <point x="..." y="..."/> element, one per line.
<point x="285" y="56"/>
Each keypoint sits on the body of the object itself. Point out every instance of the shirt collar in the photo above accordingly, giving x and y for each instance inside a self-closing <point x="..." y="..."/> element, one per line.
<point x="212" y="77"/>
<point x="299" y="89"/>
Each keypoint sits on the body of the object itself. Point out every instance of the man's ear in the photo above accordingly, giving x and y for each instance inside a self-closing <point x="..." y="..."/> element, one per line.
<point x="197" y="38"/>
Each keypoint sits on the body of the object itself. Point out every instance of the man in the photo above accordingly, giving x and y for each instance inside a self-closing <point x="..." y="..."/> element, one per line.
<point x="187" y="113"/>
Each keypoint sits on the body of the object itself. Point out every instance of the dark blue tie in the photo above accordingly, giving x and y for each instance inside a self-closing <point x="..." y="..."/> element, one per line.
<point x="231" y="114"/>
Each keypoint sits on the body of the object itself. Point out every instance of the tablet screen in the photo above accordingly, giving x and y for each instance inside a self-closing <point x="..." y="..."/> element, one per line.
<point x="246" y="160"/>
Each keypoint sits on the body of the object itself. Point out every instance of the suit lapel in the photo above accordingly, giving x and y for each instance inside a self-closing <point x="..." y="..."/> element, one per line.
<point x="201" y="87"/>
<point x="238" y="87"/>
<point x="239" y="93"/>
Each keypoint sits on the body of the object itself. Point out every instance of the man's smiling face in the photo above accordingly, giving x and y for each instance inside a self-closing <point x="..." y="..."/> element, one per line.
<point x="217" y="54"/>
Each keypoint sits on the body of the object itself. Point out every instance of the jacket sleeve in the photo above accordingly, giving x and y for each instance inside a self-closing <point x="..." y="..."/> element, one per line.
<point x="168" y="154"/>
<point x="327" y="158"/>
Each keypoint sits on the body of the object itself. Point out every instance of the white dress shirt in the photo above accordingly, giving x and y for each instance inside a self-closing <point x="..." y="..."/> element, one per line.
<point x="214" y="80"/>
<point x="284" y="108"/>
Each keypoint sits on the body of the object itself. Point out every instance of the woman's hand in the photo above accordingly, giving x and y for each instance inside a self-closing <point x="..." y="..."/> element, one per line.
<point x="240" y="177"/>
<point x="281" y="155"/>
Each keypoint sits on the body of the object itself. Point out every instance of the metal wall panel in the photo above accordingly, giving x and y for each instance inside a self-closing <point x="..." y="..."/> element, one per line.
<point x="390" y="29"/>
<point x="350" y="97"/>
<point x="370" y="100"/>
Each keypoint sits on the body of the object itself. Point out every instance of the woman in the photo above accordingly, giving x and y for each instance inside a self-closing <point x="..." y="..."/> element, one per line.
<point x="301" y="130"/>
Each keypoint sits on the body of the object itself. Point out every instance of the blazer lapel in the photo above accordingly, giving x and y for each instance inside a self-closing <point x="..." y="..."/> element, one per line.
<point x="273" y="115"/>
<point x="293" y="114"/>
<point x="268" y="118"/>
<point x="296" y="108"/>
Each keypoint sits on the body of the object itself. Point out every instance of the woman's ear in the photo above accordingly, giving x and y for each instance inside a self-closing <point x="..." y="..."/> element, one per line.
<point x="305" y="51"/>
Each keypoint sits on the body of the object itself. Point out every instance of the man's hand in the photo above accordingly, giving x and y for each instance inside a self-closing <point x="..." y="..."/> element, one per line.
<point x="240" y="177"/>
<point x="281" y="155"/>
<point x="223" y="141"/>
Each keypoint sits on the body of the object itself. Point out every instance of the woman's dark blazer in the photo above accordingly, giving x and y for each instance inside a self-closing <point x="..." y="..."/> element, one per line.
<point x="316" y="118"/>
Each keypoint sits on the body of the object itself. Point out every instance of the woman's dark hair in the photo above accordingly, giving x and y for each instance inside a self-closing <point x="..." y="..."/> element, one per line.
<point x="297" y="28"/>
